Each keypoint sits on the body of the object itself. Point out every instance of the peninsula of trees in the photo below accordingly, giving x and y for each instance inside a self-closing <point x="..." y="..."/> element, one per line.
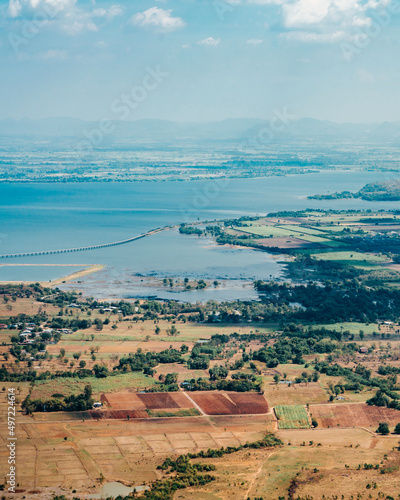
<point x="375" y="191"/>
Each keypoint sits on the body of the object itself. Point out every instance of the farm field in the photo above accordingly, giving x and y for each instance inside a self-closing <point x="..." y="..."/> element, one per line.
<point x="282" y="394"/>
<point x="354" y="257"/>
<point x="25" y="306"/>
<point x="292" y="417"/>
<point x="352" y="327"/>
<point x="164" y="400"/>
<point x="155" y="401"/>
<point x="218" y="403"/>
<point x="289" y="232"/>
<point x="303" y="230"/>
<point x="68" y="386"/>
<point x="127" y="451"/>
<point x="321" y="465"/>
<point x="287" y="242"/>
<point x="273" y="231"/>
<point x="268" y="474"/>
<point x="353" y="415"/>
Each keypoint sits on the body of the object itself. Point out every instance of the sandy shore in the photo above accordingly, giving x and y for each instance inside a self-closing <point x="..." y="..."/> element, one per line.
<point x="88" y="269"/>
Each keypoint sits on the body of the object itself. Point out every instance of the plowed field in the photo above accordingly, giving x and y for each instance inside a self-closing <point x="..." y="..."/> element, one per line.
<point x="217" y="403"/>
<point x="165" y="400"/>
<point x="120" y="414"/>
<point x="145" y="401"/>
<point x="353" y="415"/>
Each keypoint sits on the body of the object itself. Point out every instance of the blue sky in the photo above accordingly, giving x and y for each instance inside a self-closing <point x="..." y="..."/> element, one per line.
<point x="327" y="59"/>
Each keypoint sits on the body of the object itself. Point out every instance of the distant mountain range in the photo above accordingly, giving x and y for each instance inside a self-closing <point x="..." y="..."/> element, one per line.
<point x="150" y="130"/>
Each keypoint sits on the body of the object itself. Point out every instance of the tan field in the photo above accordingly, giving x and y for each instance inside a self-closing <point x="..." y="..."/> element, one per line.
<point x="353" y="415"/>
<point x="25" y="306"/>
<point x="67" y="454"/>
<point x="282" y="394"/>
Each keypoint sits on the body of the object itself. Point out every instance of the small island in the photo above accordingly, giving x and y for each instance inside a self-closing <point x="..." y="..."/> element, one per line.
<point x="375" y="191"/>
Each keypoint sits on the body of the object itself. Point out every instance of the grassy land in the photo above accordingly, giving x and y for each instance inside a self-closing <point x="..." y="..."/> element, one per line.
<point x="266" y="231"/>
<point x="352" y="327"/>
<point x="190" y="412"/>
<point x="305" y="234"/>
<point x="303" y="230"/>
<point x="352" y="257"/>
<point x="135" y="380"/>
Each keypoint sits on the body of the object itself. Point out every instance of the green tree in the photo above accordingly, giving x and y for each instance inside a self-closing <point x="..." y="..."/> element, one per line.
<point x="171" y="378"/>
<point x="98" y="324"/>
<point x="172" y="331"/>
<point x="397" y="429"/>
<point x="383" y="428"/>
<point x="88" y="392"/>
<point x="100" y="371"/>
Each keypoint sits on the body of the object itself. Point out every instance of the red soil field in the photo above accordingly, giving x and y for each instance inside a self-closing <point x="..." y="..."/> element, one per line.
<point x="164" y="400"/>
<point x="212" y="403"/>
<point x="217" y="403"/>
<point x="353" y="415"/>
<point x="122" y="400"/>
<point x="249" y="403"/>
<point x="145" y="401"/>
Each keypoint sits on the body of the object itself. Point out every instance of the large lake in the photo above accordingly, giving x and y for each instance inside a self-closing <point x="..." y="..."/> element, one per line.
<point x="36" y="217"/>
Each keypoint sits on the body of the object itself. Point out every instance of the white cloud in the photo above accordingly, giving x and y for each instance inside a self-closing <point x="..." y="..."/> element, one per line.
<point x="75" y="26"/>
<point x="71" y="18"/>
<point x="14" y="8"/>
<point x="324" y="21"/>
<point x="210" y="42"/>
<point x="305" y="12"/>
<point x="267" y="2"/>
<point x="160" y="19"/>
<point x="254" y="41"/>
<point x="17" y="8"/>
<point x="310" y="37"/>
<point x="328" y="13"/>
<point x="57" y="55"/>
<point x="110" y="13"/>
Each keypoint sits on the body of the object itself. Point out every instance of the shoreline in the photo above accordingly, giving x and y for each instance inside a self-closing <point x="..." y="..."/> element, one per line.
<point x="88" y="269"/>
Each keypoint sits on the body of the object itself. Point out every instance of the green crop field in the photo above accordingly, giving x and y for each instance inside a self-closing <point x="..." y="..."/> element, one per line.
<point x="188" y="412"/>
<point x="303" y="230"/>
<point x="305" y="234"/>
<point x="352" y="257"/>
<point x="333" y="229"/>
<point x="292" y="417"/>
<point x="266" y="231"/>
<point x="317" y="239"/>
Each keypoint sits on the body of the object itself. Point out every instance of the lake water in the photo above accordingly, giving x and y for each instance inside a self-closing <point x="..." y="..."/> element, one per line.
<point x="36" y="217"/>
<point x="114" y="489"/>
